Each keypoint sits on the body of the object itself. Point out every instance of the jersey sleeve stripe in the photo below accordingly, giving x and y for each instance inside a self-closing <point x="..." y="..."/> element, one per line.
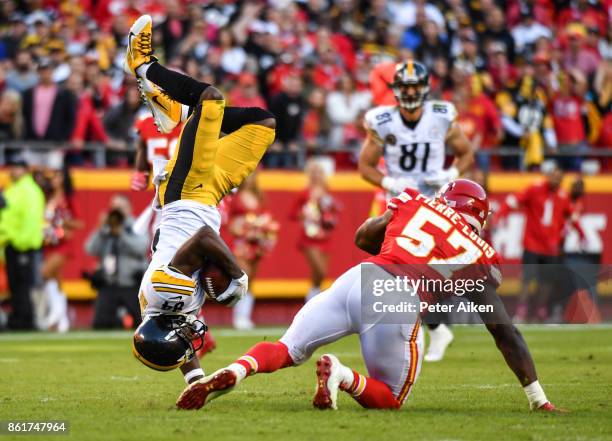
<point x="173" y="291"/>
<point x="173" y="286"/>
<point x="160" y="276"/>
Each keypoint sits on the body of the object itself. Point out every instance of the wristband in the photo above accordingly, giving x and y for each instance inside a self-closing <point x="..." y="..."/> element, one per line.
<point x="387" y="183"/>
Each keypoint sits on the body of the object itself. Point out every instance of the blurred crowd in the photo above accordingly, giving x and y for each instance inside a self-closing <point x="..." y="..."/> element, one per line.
<point x="534" y="76"/>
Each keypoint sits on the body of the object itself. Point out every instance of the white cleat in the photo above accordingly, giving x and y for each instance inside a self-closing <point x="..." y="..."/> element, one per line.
<point x="167" y="113"/>
<point x="439" y="339"/>
<point x="329" y="377"/>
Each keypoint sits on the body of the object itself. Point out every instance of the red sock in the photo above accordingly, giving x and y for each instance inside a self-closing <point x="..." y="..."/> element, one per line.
<point x="266" y="357"/>
<point x="371" y="393"/>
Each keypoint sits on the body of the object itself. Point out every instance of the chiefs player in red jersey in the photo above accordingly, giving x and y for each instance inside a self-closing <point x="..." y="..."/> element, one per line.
<point x="547" y="209"/>
<point x="414" y="230"/>
<point x="154" y="149"/>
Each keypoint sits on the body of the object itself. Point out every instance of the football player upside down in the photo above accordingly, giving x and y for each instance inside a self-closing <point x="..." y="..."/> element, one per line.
<point x="204" y="167"/>
<point x="416" y="233"/>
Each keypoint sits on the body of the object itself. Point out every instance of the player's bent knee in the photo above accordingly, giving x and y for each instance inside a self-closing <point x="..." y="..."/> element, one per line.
<point x="268" y="122"/>
<point x="210" y="93"/>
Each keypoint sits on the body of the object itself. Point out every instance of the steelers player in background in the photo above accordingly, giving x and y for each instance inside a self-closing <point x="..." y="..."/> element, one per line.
<point x="202" y="170"/>
<point x="411" y="137"/>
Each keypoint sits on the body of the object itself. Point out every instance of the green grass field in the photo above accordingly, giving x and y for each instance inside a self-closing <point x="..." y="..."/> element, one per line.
<point x="92" y="380"/>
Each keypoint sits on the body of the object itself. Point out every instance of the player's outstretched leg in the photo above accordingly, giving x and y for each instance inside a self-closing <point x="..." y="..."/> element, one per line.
<point x="264" y="357"/>
<point x="333" y="376"/>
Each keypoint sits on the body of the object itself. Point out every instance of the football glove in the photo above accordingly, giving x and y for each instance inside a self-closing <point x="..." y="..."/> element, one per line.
<point x="442" y="177"/>
<point x="397" y="185"/>
<point x="236" y="290"/>
<point x="139" y="181"/>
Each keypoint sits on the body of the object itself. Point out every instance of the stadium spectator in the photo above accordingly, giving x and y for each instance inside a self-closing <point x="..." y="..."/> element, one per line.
<point x="88" y="125"/>
<point x="483" y="108"/>
<point x="496" y="31"/>
<point x="21" y="235"/>
<point x="23" y="76"/>
<point x="344" y="107"/>
<point x="288" y="107"/>
<point x="528" y="31"/>
<point x="432" y="45"/>
<point x="11" y="118"/>
<point x="246" y="94"/>
<point x="576" y="120"/>
<point x="122" y="258"/>
<point x="119" y="122"/>
<point x="233" y="57"/>
<point x="469" y="58"/>
<point x="502" y="72"/>
<point x="317" y="211"/>
<point x="526" y="122"/>
<point x="316" y="125"/>
<point x="575" y="56"/>
<point x="49" y="110"/>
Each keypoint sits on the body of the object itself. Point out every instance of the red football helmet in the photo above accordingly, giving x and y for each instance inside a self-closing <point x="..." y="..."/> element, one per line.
<point x="468" y="199"/>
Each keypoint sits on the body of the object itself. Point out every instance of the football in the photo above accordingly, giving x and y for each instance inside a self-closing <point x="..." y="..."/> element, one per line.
<point x="214" y="279"/>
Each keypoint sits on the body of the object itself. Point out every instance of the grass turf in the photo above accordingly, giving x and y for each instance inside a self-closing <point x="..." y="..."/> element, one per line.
<point x="92" y="380"/>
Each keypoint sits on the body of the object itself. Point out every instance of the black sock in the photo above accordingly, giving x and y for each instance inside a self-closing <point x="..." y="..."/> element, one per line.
<point x="179" y="87"/>
<point x="236" y="117"/>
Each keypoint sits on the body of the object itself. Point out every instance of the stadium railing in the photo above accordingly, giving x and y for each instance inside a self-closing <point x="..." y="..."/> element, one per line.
<point x="98" y="153"/>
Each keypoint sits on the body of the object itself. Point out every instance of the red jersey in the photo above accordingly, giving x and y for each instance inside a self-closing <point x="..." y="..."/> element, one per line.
<point x="435" y="241"/>
<point x="484" y="109"/>
<point x="567" y="114"/>
<point x="159" y="145"/>
<point x="546" y="212"/>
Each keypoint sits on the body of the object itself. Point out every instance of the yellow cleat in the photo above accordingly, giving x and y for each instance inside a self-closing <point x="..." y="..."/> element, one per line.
<point x="167" y="113"/>
<point x="139" y="48"/>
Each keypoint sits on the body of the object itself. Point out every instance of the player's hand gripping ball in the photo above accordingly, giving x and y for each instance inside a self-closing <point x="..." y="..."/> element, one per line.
<point x="214" y="280"/>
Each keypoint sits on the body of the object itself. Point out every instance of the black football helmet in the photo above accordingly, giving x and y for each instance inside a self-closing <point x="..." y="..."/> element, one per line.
<point x="410" y="73"/>
<point x="165" y="342"/>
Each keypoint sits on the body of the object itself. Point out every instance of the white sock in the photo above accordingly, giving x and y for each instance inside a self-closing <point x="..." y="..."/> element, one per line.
<point x="244" y="308"/>
<point x="239" y="370"/>
<point x="58" y="305"/>
<point x="346" y="373"/>
<point x="142" y="70"/>
<point x="198" y="372"/>
<point x="535" y="395"/>
<point x="312" y="292"/>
